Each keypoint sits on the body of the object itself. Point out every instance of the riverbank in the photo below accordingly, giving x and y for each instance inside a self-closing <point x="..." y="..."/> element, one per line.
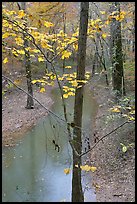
<point x="16" y="119"/>
<point x="114" y="180"/>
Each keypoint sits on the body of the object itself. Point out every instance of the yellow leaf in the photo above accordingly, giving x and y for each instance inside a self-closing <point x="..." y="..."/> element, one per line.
<point x="71" y="94"/>
<point x="21" y="52"/>
<point x="85" y="168"/>
<point x="74" y="83"/>
<point x="40" y="59"/>
<point x="82" y="81"/>
<point x="69" y="78"/>
<point x="66" y="171"/>
<point x="96" y="186"/>
<point x="75" y="46"/>
<point x="79" y="86"/>
<point x="21" y="14"/>
<point x="33" y="81"/>
<point x="65" y="54"/>
<point x="19" y="41"/>
<point x="42" y="90"/>
<point x="65" y="95"/>
<point x="48" y="24"/>
<point x="15" y="53"/>
<point x="68" y="67"/>
<point x="17" y="81"/>
<point x="5" y="35"/>
<point x="93" y="168"/>
<point x="132" y="112"/>
<point x="102" y="12"/>
<point x="104" y="35"/>
<point x="35" y="51"/>
<point x="107" y="22"/>
<point x="60" y="78"/>
<point x="131" y="118"/>
<point x="5" y="60"/>
<point x="44" y="43"/>
<point x="115" y="110"/>
<point x="88" y="168"/>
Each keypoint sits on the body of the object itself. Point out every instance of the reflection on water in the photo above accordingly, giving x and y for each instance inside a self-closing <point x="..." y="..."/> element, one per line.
<point x="33" y="171"/>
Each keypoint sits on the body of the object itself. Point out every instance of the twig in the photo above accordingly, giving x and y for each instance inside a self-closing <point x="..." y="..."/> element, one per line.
<point x="34" y="98"/>
<point x="104" y="137"/>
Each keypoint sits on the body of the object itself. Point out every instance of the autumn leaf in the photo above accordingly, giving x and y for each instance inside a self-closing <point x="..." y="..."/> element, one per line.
<point x="5" y="60"/>
<point x="85" y="168"/>
<point x="42" y="90"/>
<point x="79" y="86"/>
<point x="17" y="81"/>
<point x="68" y="67"/>
<point x="19" y="41"/>
<point x="48" y="24"/>
<point x="71" y="94"/>
<point x="103" y="12"/>
<point x="93" y="168"/>
<point x="132" y="112"/>
<point x="65" y="54"/>
<point x="21" y="52"/>
<point x="66" y="171"/>
<point x="124" y="147"/>
<point x="96" y="186"/>
<point x="74" y="83"/>
<point x="21" y="14"/>
<point x="104" y="35"/>
<point x="115" y="110"/>
<point x="65" y="95"/>
<point x="34" y="81"/>
<point x="131" y="118"/>
<point x="40" y="59"/>
<point x="5" y="35"/>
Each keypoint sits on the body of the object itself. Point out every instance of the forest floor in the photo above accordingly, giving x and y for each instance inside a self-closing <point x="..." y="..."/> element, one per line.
<point x="114" y="178"/>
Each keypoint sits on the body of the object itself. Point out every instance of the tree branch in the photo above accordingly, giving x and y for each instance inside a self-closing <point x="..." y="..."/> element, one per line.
<point x="104" y="137"/>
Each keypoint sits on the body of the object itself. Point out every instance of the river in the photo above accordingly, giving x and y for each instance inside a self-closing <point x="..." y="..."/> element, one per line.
<point x="33" y="170"/>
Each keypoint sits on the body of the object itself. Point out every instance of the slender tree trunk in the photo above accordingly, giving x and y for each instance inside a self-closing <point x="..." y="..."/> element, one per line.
<point x="116" y="54"/>
<point x="30" y="102"/>
<point x="77" y="193"/>
<point x="64" y="30"/>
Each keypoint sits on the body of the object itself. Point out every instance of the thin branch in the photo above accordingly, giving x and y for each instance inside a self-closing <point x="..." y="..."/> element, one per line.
<point x="104" y="137"/>
<point x="49" y="111"/>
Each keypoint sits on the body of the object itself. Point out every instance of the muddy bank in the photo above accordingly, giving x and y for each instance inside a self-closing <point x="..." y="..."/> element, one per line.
<point x="16" y="119"/>
<point x="114" y="180"/>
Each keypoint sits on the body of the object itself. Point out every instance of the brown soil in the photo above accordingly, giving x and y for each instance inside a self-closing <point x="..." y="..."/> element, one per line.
<point x="114" y="180"/>
<point x="115" y="175"/>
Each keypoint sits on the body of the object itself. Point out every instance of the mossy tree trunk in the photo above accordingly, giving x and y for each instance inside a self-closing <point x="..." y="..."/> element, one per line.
<point x="116" y="53"/>
<point x="77" y="193"/>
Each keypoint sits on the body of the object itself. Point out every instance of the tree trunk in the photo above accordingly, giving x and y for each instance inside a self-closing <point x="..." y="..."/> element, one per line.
<point x="30" y="102"/>
<point x="116" y="54"/>
<point x="77" y="193"/>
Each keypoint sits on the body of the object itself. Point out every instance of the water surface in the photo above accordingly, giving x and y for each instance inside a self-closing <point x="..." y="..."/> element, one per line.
<point x="33" y="171"/>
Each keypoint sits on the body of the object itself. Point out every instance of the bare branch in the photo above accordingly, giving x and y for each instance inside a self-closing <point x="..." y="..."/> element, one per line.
<point x="104" y="137"/>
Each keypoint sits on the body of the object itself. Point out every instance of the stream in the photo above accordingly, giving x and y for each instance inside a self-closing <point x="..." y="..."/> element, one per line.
<point x="33" y="170"/>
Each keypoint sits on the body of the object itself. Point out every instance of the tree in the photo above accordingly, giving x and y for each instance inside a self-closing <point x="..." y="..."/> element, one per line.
<point x="30" y="102"/>
<point x="116" y="51"/>
<point x="77" y="193"/>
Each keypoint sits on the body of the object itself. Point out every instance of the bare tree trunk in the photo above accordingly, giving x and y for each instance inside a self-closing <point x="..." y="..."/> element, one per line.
<point x="116" y="53"/>
<point x="77" y="193"/>
<point x="30" y="102"/>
